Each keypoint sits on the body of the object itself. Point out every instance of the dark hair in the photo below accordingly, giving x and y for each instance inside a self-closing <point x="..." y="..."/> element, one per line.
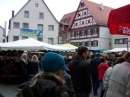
<point x="102" y="59"/>
<point x="82" y="49"/>
<point x="118" y="60"/>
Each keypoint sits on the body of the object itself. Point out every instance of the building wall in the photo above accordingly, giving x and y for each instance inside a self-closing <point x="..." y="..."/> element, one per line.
<point x="34" y="20"/>
<point x="119" y="45"/>
<point x="102" y="43"/>
<point x="1" y="35"/>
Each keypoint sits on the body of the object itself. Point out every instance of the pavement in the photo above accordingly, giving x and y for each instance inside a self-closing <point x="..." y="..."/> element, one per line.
<point x="11" y="90"/>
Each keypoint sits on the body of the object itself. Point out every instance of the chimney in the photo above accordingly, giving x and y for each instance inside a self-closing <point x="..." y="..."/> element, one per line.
<point x="4" y="33"/>
<point x="102" y="7"/>
<point x="12" y="13"/>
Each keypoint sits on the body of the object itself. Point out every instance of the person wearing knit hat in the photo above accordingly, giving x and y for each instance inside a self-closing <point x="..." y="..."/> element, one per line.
<point x="52" y="62"/>
<point x="48" y="83"/>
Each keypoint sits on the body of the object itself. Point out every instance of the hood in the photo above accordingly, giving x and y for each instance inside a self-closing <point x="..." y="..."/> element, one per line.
<point x="77" y="59"/>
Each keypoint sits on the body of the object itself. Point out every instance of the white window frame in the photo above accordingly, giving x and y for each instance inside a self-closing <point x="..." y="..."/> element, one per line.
<point x="40" y="27"/>
<point x="15" y="37"/>
<point x="24" y="37"/>
<point x="50" y="29"/>
<point x="26" y="14"/>
<point x="14" y="25"/>
<point x="41" y="15"/>
<point x="26" y="25"/>
<point x="52" y="41"/>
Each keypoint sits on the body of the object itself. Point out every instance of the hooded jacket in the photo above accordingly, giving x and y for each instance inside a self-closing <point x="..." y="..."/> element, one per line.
<point x="45" y="86"/>
<point x="80" y="75"/>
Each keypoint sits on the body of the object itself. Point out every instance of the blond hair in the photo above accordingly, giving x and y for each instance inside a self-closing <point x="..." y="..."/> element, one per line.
<point x="35" y="58"/>
<point x="25" y="60"/>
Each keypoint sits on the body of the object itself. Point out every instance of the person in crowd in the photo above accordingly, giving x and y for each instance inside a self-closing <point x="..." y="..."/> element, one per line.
<point x="101" y="70"/>
<point x="108" y="73"/>
<point x="119" y="81"/>
<point x="23" y="67"/>
<point x="48" y="83"/>
<point x="94" y="72"/>
<point x="80" y="73"/>
<point x="33" y="66"/>
<point x="1" y="95"/>
<point x="68" y="81"/>
<point x="123" y="52"/>
<point x="125" y="56"/>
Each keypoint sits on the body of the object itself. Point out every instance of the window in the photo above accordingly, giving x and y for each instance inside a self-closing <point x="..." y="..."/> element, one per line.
<point x="95" y="43"/>
<point x="40" y="39"/>
<point x="36" y="5"/>
<point x="40" y="27"/>
<point x="15" y="38"/>
<point x="80" y="43"/>
<point x="79" y="14"/>
<point x="16" y="25"/>
<point x="89" y="32"/>
<point x="41" y="15"/>
<point x="50" y="41"/>
<point x="26" y="14"/>
<point x="82" y="22"/>
<point x="24" y="37"/>
<point x="3" y="40"/>
<point x="88" y="21"/>
<point x="25" y="25"/>
<point x="85" y="13"/>
<point x="121" y="41"/>
<point x="51" y="28"/>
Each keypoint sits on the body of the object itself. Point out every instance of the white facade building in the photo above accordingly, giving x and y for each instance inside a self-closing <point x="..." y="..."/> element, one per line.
<point x="2" y="35"/>
<point x="120" y="41"/>
<point x="34" y="15"/>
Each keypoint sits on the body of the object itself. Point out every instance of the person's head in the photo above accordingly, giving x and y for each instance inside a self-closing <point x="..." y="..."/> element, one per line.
<point x="24" y="56"/>
<point x="123" y="52"/>
<point x="103" y="60"/>
<point x="98" y="55"/>
<point x="34" y="58"/>
<point x="118" y="60"/>
<point x="83" y="51"/>
<point x="126" y="55"/>
<point x="53" y="63"/>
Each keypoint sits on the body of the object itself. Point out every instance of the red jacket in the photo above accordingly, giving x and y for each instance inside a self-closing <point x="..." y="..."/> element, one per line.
<point x="101" y="70"/>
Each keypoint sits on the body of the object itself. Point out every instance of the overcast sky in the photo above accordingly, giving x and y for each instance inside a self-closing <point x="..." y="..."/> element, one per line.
<point x="58" y="7"/>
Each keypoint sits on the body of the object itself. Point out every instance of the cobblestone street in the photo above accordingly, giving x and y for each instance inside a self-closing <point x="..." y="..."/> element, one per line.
<point x="11" y="90"/>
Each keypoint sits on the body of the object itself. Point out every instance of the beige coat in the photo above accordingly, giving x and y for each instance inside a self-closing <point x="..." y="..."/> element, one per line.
<point x="119" y="83"/>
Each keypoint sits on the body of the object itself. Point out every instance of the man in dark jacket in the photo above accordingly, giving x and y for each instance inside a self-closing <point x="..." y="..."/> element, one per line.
<point x="94" y="72"/>
<point x="80" y="73"/>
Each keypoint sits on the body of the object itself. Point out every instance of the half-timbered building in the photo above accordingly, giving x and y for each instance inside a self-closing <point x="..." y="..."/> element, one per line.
<point x="89" y="26"/>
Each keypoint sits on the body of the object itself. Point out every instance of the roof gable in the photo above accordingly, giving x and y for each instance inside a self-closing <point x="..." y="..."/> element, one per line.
<point x="100" y="16"/>
<point x="70" y="17"/>
<point x="24" y="6"/>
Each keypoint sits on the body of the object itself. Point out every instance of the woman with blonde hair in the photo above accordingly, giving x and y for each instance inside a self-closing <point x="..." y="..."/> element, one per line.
<point x="48" y="83"/>
<point x="33" y="66"/>
<point x="23" y="67"/>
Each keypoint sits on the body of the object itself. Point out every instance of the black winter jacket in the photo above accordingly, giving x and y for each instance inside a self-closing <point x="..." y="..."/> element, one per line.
<point x="46" y="86"/>
<point x="80" y="75"/>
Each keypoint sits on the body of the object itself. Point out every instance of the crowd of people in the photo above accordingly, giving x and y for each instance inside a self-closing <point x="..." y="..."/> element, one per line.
<point x="78" y="76"/>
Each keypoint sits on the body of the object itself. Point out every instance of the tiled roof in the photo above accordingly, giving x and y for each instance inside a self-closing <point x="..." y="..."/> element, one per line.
<point x="100" y="16"/>
<point x="69" y="16"/>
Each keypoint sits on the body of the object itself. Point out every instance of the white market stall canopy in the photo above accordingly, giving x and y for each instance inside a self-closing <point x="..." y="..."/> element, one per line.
<point x="115" y="50"/>
<point x="67" y="45"/>
<point x="31" y="44"/>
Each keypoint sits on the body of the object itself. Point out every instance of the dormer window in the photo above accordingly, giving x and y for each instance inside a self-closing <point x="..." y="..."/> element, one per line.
<point x="82" y="4"/>
<point x="36" y="5"/>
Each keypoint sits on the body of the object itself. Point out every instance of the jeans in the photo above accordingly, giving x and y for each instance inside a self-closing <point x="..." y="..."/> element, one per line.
<point x="101" y="88"/>
<point x="95" y="84"/>
<point x="81" y="95"/>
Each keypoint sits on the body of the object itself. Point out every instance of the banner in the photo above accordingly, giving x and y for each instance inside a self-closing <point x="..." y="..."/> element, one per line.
<point x="119" y="21"/>
<point x="31" y="33"/>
